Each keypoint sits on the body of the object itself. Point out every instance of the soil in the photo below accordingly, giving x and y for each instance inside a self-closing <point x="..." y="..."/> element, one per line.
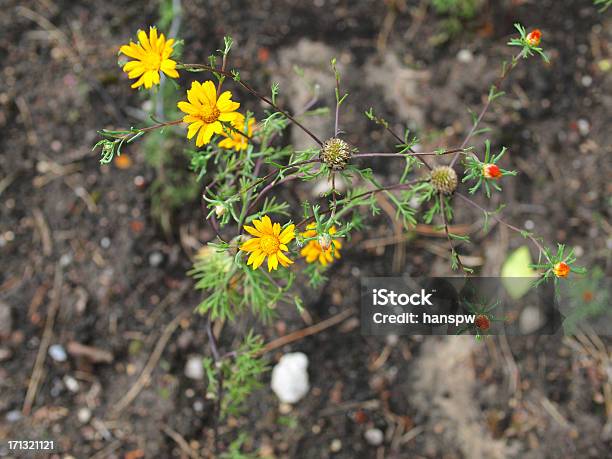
<point x="80" y="246"/>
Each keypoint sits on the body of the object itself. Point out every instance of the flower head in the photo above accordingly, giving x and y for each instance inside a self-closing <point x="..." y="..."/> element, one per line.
<point x="238" y="140"/>
<point x="324" y="248"/>
<point x="534" y="37"/>
<point x="335" y="153"/>
<point x="561" y="269"/>
<point x="268" y="241"/>
<point x="491" y="171"/>
<point x="205" y="112"/>
<point x="444" y="179"/>
<point x="152" y="54"/>
<point x="482" y="322"/>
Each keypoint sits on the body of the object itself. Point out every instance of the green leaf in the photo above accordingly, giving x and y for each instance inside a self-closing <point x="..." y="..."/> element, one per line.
<point x="518" y="265"/>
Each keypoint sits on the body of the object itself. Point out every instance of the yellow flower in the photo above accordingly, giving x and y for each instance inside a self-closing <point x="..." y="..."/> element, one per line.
<point x="204" y="112"/>
<point x="313" y="250"/>
<point x="234" y="139"/>
<point x="152" y="56"/>
<point x="269" y="241"/>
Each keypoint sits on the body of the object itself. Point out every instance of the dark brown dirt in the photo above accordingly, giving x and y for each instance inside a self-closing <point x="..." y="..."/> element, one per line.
<point x="123" y="279"/>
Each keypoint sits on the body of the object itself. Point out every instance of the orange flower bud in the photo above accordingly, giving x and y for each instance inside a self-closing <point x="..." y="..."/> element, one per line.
<point x="491" y="171"/>
<point x="534" y="37"/>
<point x="482" y="322"/>
<point x="561" y="269"/>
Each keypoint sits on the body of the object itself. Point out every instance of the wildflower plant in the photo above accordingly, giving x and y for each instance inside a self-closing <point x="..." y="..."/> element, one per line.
<point x="263" y="243"/>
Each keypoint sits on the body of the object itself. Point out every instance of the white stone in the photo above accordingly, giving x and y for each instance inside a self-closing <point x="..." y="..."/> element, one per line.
<point x="194" y="368"/>
<point x="71" y="384"/>
<point x="374" y="437"/>
<point x="84" y="415"/>
<point x="465" y="56"/>
<point x="290" y="377"/>
<point x="57" y="353"/>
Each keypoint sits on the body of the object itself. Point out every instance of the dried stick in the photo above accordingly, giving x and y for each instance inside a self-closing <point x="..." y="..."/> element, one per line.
<point x="37" y="373"/>
<point x="145" y="376"/>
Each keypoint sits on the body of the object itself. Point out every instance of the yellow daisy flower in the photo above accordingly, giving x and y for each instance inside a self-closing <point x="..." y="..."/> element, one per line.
<point x="313" y="251"/>
<point x="152" y="54"/>
<point x="236" y="140"/>
<point x="269" y="241"/>
<point x="204" y="112"/>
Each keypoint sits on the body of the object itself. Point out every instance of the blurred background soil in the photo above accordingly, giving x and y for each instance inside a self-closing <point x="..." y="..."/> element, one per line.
<point x="103" y="254"/>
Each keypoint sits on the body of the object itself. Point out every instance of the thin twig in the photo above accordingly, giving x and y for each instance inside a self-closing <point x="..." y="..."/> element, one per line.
<point x="454" y="253"/>
<point x="503" y="222"/>
<point x="179" y="440"/>
<point x="145" y="376"/>
<point x="486" y="106"/>
<point x="304" y="332"/>
<point x="38" y="370"/>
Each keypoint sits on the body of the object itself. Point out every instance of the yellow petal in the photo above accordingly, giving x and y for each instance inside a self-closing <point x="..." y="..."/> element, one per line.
<point x="253" y="231"/>
<point x="267" y="224"/>
<point x="193" y="129"/>
<point x="287" y="235"/>
<point x="259" y="260"/>
<point x="132" y="50"/>
<point x="282" y="258"/>
<point x="276" y="229"/>
<point x="209" y="92"/>
<point x="186" y="107"/>
<point x="139" y="82"/>
<point x="272" y="262"/>
<point x="250" y="245"/>
<point x="153" y="37"/>
<point x="144" y="40"/>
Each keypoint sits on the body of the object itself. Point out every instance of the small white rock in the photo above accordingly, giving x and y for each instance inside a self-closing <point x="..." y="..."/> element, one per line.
<point x="290" y="377"/>
<point x="336" y="445"/>
<point x="465" y="56"/>
<point x="584" y="127"/>
<point x="374" y="437"/>
<point x="84" y="415"/>
<point x="58" y="353"/>
<point x="71" y="384"/>
<point x="13" y="416"/>
<point x="194" y="368"/>
<point x="155" y="259"/>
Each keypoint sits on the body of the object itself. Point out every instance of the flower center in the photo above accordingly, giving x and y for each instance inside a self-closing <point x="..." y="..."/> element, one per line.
<point x="152" y="61"/>
<point x="269" y="244"/>
<point x="209" y="114"/>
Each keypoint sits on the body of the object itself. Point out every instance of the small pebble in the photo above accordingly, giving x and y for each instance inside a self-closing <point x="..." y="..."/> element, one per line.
<point x="284" y="408"/>
<point x="336" y="445"/>
<point x="194" y="369"/>
<point x="13" y="416"/>
<point x="587" y="80"/>
<point x="374" y="437"/>
<point x="465" y="56"/>
<point x="84" y="415"/>
<point x="155" y="259"/>
<point x="71" y="384"/>
<point x="198" y="406"/>
<point x="105" y="243"/>
<point x="65" y="260"/>
<point x="58" y="353"/>
<point x="584" y="127"/>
